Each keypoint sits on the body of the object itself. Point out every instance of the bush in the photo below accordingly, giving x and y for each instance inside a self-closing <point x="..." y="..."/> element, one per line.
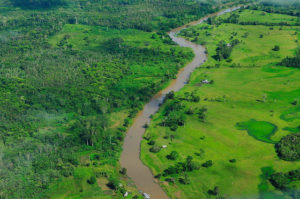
<point x="276" y="48"/>
<point x="214" y="191"/>
<point x="155" y="149"/>
<point x="173" y="155"/>
<point x="152" y="142"/>
<point x="207" y="164"/>
<point x="96" y="157"/>
<point x="123" y="171"/>
<point x="288" y="148"/>
<point x="185" y="180"/>
<point x="92" y="180"/>
<point x="113" y="183"/>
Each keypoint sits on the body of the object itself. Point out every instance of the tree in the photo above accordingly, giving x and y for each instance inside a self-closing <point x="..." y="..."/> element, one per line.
<point x="37" y="3"/>
<point x="155" y="149"/>
<point x="173" y="155"/>
<point x="113" y="183"/>
<point x="288" y="148"/>
<point x="123" y="171"/>
<point x="185" y="179"/>
<point x="214" y="191"/>
<point x="292" y="61"/>
<point x="223" y="51"/>
<point x="207" y="164"/>
<point x="276" y="48"/>
<point x="92" y="180"/>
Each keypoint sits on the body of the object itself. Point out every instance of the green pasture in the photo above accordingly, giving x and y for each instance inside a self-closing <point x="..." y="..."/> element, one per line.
<point x="256" y="93"/>
<point x="263" y="17"/>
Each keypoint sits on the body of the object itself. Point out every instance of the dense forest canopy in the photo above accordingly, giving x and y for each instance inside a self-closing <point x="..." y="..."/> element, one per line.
<point x="37" y="3"/>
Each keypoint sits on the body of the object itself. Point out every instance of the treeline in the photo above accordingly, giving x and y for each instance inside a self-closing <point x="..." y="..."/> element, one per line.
<point x="234" y="18"/>
<point x="287" y="182"/>
<point x="293" y="62"/>
<point x="280" y="7"/>
<point x="37" y="3"/>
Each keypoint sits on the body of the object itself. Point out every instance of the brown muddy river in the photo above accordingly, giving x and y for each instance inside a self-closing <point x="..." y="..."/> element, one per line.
<point x="130" y="157"/>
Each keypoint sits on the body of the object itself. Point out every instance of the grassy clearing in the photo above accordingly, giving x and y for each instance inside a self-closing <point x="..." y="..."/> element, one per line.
<point x="247" y="86"/>
<point x="264" y="17"/>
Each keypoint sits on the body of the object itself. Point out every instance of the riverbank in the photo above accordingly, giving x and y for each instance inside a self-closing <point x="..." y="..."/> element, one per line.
<point x="130" y="158"/>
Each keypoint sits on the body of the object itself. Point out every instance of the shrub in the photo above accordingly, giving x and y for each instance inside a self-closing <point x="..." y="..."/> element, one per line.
<point x="276" y="48"/>
<point x="155" y="149"/>
<point x="123" y="171"/>
<point x="185" y="180"/>
<point x="113" y="183"/>
<point x="152" y="142"/>
<point x="207" y="164"/>
<point x="92" y="180"/>
<point x="214" y="191"/>
<point x="96" y="157"/>
<point x="173" y="155"/>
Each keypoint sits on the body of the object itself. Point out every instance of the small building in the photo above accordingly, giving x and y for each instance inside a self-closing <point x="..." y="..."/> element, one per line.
<point x="205" y="81"/>
<point x="126" y="194"/>
<point x="146" y="196"/>
<point x="164" y="146"/>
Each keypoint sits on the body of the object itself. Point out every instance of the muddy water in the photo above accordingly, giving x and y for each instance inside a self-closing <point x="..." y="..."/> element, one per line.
<point x="130" y="158"/>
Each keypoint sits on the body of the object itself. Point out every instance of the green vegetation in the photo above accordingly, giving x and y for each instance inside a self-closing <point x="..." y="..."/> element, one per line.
<point x="37" y="3"/>
<point x="73" y="75"/>
<point x="260" y="130"/>
<point x="289" y="147"/>
<point x="292" y="61"/>
<point x="287" y="182"/>
<point x="251" y="90"/>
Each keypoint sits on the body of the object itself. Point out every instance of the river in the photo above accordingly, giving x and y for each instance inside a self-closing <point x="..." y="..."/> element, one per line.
<point x="130" y="157"/>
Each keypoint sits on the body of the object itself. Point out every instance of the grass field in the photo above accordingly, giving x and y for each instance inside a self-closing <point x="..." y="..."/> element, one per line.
<point x="264" y="17"/>
<point x="249" y="89"/>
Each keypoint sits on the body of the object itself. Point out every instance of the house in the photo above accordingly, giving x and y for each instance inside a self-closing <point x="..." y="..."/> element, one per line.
<point x="146" y="196"/>
<point x="205" y="81"/>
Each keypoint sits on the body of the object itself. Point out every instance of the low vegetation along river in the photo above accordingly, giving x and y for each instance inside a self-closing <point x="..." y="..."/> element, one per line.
<point x="130" y="158"/>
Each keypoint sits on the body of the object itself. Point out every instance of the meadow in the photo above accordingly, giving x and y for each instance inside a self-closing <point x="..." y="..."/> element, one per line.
<point x="250" y="104"/>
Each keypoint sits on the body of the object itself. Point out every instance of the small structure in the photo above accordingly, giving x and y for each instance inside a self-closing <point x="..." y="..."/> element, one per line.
<point x="146" y="196"/>
<point x="126" y="194"/>
<point x="228" y="45"/>
<point x="205" y="81"/>
<point x="164" y="146"/>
